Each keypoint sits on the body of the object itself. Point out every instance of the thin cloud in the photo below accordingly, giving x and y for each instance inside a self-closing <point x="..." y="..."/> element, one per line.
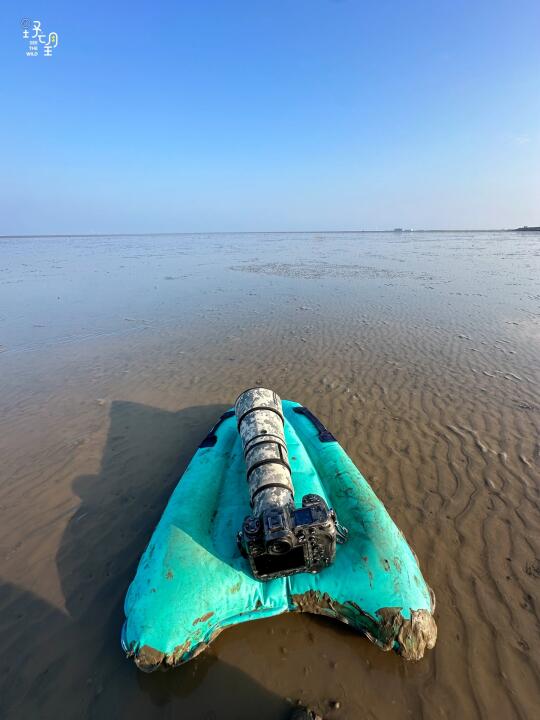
<point x="521" y="139"/>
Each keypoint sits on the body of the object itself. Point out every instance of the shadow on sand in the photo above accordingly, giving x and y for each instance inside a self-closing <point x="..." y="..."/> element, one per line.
<point x="71" y="664"/>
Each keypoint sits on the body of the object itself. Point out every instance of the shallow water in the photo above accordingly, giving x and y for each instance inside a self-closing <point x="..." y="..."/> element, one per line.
<point x="418" y="350"/>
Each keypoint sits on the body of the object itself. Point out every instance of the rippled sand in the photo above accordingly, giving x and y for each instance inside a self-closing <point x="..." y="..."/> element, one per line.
<point x="419" y="351"/>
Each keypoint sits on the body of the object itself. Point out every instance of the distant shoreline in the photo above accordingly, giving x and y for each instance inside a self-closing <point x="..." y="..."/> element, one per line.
<point x="525" y="228"/>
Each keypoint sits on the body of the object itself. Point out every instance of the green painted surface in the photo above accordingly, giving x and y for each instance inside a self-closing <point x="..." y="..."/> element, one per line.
<point x="192" y="582"/>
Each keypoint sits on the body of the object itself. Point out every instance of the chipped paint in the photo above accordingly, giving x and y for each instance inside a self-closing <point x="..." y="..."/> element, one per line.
<point x="389" y="629"/>
<point x="203" y="618"/>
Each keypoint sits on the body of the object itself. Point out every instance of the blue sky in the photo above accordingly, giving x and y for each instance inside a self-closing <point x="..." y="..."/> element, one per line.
<point x="271" y="115"/>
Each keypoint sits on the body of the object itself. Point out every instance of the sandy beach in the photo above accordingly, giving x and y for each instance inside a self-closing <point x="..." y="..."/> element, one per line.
<point x="419" y="351"/>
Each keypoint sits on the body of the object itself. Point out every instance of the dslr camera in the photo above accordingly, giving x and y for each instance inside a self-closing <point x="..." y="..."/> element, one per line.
<point x="284" y="540"/>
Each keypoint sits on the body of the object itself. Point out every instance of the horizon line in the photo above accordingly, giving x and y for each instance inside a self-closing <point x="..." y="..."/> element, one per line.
<point x="257" y="232"/>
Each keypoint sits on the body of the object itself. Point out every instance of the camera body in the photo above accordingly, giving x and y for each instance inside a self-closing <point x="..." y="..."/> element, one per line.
<point x="283" y="540"/>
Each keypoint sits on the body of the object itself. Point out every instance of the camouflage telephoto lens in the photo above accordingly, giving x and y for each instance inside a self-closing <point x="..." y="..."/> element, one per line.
<point x="278" y="539"/>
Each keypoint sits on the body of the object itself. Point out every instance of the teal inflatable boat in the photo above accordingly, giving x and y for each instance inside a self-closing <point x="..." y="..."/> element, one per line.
<point x="193" y="582"/>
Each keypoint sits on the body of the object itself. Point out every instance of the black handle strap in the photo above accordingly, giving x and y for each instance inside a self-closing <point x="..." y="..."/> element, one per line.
<point x="211" y="439"/>
<point x="324" y="434"/>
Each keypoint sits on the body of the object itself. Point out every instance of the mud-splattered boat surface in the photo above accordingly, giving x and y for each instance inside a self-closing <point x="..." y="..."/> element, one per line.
<point x="192" y="581"/>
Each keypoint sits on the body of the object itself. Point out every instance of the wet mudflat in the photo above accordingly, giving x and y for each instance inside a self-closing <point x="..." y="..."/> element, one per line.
<point x="419" y="351"/>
